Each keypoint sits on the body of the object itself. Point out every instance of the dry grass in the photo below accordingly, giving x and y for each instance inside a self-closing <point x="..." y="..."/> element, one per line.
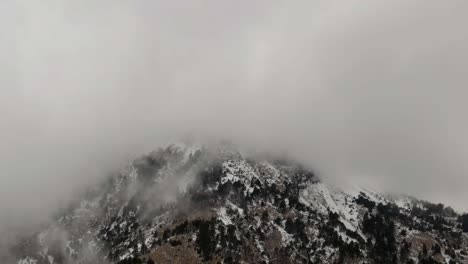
<point x="166" y="253"/>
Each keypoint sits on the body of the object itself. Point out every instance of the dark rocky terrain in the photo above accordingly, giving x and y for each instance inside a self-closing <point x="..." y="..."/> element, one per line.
<point x="190" y="204"/>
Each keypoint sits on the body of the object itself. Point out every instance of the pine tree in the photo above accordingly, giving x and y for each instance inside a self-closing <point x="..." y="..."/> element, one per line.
<point x="464" y="220"/>
<point x="404" y="252"/>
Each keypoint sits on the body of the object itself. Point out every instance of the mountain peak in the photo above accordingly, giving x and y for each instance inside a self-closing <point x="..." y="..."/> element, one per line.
<point x="211" y="204"/>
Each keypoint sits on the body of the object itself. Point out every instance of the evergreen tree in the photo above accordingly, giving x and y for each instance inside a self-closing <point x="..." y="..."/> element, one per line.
<point x="464" y="220"/>
<point x="205" y="239"/>
<point x="404" y="252"/>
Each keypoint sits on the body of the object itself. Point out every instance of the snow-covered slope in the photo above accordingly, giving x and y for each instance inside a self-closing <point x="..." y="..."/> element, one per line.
<point x="191" y="204"/>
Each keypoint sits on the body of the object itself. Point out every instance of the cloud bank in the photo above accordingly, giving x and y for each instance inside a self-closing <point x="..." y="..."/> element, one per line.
<point x="362" y="91"/>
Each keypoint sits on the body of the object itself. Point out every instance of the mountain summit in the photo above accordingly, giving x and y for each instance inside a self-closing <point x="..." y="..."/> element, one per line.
<point x="197" y="204"/>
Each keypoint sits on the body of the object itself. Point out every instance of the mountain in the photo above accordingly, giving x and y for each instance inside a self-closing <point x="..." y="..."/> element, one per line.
<point x="197" y="204"/>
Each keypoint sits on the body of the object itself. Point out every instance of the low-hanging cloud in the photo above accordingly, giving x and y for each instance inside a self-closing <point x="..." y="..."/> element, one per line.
<point x="363" y="91"/>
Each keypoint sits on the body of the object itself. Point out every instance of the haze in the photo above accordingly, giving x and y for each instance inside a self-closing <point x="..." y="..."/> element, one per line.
<point x="364" y="92"/>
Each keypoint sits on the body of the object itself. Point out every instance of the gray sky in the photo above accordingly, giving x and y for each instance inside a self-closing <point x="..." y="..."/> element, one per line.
<point x="363" y="91"/>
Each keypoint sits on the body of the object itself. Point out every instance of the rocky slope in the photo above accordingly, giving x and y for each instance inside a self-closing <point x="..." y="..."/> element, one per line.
<point x="190" y="204"/>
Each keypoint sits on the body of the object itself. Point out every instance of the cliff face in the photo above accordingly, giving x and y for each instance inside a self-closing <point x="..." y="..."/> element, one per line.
<point x="191" y="204"/>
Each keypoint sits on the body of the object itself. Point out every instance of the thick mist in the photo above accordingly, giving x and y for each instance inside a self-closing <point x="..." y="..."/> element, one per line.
<point x="365" y="92"/>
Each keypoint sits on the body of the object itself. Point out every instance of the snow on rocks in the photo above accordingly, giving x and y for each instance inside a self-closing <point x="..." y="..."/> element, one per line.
<point x="223" y="216"/>
<point x="325" y="199"/>
<point x="28" y="260"/>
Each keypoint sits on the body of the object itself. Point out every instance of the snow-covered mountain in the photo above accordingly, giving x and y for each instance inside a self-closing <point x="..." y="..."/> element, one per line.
<point x="194" y="204"/>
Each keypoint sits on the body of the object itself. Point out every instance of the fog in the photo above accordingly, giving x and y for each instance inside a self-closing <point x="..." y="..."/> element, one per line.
<point x="364" y="92"/>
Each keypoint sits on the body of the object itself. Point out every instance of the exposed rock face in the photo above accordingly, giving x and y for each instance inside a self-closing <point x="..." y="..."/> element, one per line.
<point x="190" y="204"/>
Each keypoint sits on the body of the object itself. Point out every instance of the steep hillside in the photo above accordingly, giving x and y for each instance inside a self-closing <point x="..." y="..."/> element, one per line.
<point x="191" y="204"/>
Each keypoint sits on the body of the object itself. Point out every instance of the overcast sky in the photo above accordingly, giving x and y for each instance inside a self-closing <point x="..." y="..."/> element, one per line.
<point x="365" y="91"/>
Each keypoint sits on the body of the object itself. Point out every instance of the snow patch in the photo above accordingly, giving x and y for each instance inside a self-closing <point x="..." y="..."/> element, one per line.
<point x="223" y="216"/>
